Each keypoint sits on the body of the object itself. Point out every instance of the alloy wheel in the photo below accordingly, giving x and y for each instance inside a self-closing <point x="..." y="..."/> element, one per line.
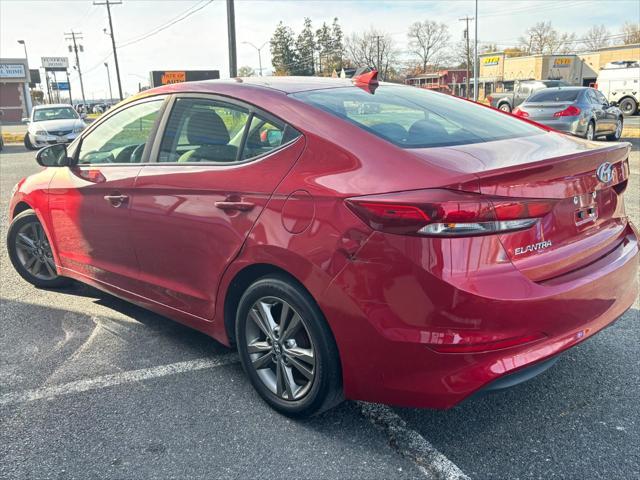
<point x="590" y="132"/>
<point x="280" y="348"/>
<point x="34" y="251"/>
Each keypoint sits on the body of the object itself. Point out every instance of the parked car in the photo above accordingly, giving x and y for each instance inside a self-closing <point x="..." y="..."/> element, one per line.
<point x="619" y="82"/>
<point x="49" y="124"/>
<point x="507" y="101"/>
<point x="412" y="254"/>
<point x="581" y="111"/>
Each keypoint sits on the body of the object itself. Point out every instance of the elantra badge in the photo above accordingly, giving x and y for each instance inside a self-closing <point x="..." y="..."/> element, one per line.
<point x="534" y="247"/>
<point x="605" y="172"/>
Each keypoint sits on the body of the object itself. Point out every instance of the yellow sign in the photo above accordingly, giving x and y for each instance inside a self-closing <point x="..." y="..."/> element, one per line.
<point x="561" y="62"/>
<point x="491" y="61"/>
<point x="173" y="77"/>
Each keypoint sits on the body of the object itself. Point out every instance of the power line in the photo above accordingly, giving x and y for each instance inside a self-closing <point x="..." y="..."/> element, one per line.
<point x="184" y="15"/>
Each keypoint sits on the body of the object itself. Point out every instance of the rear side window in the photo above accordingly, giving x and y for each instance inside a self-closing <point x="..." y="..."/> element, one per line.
<point x="555" y="96"/>
<point x="201" y="130"/>
<point x="415" y="118"/>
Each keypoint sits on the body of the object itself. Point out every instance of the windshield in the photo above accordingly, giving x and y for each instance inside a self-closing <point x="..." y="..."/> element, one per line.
<point x="554" y="96"/>
<point x="415" y="118"/>
<point x="55" y="113"/>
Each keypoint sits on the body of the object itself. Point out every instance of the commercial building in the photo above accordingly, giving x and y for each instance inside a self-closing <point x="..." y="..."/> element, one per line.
<point x="498" y="71"/>
<point x="448" y="81"/>
<point x="15" y="99"/>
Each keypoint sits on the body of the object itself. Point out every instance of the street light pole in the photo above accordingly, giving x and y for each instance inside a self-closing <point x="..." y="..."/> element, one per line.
<point x="27" y="88"/>
<point x="108" y="3"/>
<point x="231" y="31"/>
<point x="475" y="57"/>
<point x="259" y="54"/>
<point x="109" y="79"/>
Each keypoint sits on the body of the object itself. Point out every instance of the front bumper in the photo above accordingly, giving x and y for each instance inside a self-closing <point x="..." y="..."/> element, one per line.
<point x="390" y="315"/>
<point x="44" y="140"/>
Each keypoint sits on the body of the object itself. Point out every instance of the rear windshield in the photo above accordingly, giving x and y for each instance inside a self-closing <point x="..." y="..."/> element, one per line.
<point x="554" y="96"/>
<point x="415" y="118"/>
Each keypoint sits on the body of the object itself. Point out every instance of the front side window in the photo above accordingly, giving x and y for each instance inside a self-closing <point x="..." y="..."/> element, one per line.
<point x="122" y="137"/>
<point x="54" y="113"/>
<point x="415" y="118"/>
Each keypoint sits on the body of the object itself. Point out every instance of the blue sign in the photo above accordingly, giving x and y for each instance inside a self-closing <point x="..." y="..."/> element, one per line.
<point x="60" y="85"/>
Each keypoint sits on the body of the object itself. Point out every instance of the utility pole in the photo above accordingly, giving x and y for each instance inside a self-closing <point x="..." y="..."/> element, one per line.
<point x="466" y="37"/>
<point x="378" y="57"/>
<point x="74" y="36"/>
<point x="108" y="3"/>
<point x="109" y="80"/>
<point x="231" y="30"/>
<point x="475" y="57"/>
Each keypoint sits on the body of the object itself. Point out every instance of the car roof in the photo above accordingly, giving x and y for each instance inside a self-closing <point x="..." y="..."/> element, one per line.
<point x="281" y="84"/>
<point x="563" y="89"/>
<point x="51" y="105"/>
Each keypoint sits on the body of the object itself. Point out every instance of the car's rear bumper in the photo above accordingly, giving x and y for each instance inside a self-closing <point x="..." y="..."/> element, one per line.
<point x="573" y="125"/>
<point x="391" y="319"/>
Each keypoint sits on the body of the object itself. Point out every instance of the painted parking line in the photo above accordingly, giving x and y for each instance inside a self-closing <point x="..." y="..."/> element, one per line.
<point x="406" y="441"/>
<point x="105" y="381"/>
<point x="411" y="445"/>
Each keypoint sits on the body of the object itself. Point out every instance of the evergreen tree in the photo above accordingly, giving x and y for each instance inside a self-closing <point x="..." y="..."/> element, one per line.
<point x="337" y="39"/>
<point x="324" y="46"/>
<point x="283" y="54"/>
<point x="305" y="48"/>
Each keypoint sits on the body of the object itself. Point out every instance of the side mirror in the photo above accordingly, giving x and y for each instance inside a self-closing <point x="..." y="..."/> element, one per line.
<point x="25" y="120"/>
<point x="53" y="156"/>
<point x="274" y="138"/>
<point x="83" y="116"/>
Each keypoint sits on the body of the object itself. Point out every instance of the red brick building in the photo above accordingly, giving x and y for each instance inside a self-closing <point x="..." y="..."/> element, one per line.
<point x="15" y="99"/>
<point x="449" y="81"/>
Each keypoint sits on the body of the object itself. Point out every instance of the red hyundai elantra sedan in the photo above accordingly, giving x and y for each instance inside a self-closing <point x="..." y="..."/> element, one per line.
<point x="361" y="241"/>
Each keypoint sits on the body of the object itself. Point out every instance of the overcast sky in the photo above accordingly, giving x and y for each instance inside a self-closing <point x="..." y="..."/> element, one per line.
<point x="200" y="41"/>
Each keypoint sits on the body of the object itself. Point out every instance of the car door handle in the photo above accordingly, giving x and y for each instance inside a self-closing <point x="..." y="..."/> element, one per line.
<point x="240" y="206"/>
<point x="116" y="200"/>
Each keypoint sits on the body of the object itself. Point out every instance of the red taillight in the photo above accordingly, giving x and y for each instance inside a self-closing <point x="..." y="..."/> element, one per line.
<point x="570" y="111"/>
<point x="441" y="212"/>
<point x="520" y="113"/>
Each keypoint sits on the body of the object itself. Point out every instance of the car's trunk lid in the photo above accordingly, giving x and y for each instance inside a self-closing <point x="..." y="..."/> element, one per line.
<point x="543" y="111"/>
<point x="587" y="220"/>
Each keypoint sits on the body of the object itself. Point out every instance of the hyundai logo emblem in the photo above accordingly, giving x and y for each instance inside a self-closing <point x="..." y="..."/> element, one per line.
<point x="605" y="172"/>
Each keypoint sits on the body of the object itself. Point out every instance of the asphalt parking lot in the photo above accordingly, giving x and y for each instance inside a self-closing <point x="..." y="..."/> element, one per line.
<point x="93" y="387"/>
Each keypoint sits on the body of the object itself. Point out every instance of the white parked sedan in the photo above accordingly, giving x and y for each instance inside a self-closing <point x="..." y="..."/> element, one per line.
<point x="49" y="124"/>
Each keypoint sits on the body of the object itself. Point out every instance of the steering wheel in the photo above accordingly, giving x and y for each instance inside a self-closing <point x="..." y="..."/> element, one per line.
<point x="136" y="155"/>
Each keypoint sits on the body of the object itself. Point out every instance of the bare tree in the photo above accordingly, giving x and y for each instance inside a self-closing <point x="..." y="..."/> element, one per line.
<point x="543" y="38"/>
<point x="597" y="37"/>
<point x="372" y="49"/>
<point x="630" y="33"/>
<point x="427" y="40"/>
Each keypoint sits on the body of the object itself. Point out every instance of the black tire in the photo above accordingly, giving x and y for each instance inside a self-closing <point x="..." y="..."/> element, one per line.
<point x="628" y="106"/>
<point x="22" y="219"/>
<point x="505" y="107"/>
<point x="325" y="390"/>
<point x="591" y="131"/>
<point x="615" y="136"/>
<point x="28" y="144"/>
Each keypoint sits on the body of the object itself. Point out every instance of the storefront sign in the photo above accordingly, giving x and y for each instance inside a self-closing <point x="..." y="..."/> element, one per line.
<point x="12" y="70"/>
<point x="489" y="61"/>
<point x="562" y="62"/>
<point x="55" y="64"/>
<point x="166" y="77"/>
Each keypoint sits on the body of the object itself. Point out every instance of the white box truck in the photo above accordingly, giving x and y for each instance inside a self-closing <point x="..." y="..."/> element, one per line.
<point x="620" y="83"/>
